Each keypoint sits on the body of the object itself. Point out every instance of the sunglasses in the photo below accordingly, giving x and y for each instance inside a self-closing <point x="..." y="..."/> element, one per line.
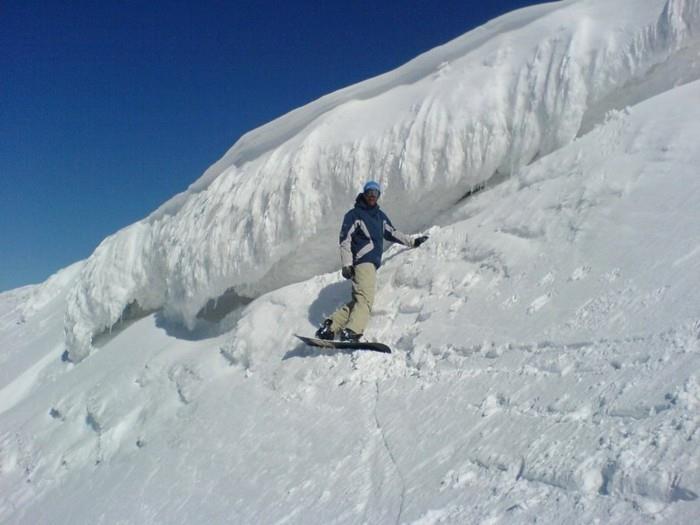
<point x="372" y="193"/>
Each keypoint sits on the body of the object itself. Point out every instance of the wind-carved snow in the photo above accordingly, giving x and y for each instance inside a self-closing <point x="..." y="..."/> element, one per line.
<point x="545" y="366"/>
<point x="603" y="374"/>
<point x="267" y="214"/>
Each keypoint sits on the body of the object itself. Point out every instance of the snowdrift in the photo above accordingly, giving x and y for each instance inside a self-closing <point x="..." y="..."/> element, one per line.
<point x="485" y="104"/>
<point x="546" y="339"/>
<point x="546" y="368"/>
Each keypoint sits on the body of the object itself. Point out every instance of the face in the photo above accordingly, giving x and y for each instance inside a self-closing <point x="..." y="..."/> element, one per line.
<point x="371" y="197"/>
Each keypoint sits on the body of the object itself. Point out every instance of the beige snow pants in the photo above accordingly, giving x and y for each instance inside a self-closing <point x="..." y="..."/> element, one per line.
<point x="355" y="315"/>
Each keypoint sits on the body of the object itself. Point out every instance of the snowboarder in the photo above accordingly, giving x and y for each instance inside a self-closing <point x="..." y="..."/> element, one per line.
<point x="361" y="245"/>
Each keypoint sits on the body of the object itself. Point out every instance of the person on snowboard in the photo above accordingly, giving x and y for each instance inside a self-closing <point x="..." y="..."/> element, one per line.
<point x="361" y="245"/>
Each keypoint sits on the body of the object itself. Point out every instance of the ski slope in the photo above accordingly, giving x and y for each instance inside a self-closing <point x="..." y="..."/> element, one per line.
<point x="546" y="338"/>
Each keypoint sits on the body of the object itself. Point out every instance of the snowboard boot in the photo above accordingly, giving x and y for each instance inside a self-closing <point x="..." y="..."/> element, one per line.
<point x="324" y="331"/>
<point x="349" y="336"/>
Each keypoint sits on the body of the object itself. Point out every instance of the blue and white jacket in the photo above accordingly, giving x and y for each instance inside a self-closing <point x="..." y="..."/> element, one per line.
<point x="363" y="232"/>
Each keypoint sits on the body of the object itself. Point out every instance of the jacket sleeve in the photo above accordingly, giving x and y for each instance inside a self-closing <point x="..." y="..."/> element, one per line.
<point x="346" y="231"/>
<point x="394" y="235"/>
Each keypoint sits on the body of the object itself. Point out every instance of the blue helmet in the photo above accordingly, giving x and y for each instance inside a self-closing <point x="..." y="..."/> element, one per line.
<point x="372" y="185"/>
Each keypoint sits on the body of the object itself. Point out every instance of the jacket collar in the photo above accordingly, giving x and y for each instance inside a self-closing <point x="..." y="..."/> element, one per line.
<point x="361" y="203"/>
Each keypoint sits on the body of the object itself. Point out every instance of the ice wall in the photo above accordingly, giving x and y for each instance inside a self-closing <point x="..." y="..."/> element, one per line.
<point x="488" y="102"/>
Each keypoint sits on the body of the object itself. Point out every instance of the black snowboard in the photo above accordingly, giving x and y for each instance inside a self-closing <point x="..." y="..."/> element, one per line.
<point x="345" y="345"/>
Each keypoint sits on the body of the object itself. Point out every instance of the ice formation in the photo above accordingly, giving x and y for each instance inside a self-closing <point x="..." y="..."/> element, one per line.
<point x="487" y="103"/>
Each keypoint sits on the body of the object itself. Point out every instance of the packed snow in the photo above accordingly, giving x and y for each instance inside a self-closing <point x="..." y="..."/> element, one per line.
<point x="546" y="339"/>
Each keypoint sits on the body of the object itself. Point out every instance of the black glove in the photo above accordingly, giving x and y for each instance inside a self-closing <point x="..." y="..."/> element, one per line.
<point x="419" y="240"/>
<point x="348" y="272"/>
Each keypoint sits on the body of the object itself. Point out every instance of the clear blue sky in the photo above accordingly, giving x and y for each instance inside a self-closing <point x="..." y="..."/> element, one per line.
<point x="108" y="108"/>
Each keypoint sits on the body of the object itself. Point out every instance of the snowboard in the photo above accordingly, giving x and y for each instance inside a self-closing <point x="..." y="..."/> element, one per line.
<point x="345" y="345"/>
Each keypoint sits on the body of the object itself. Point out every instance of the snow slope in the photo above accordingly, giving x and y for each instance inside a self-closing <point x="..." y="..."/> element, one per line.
<point x="486" y="103"/>
<point x="546" y="339"/>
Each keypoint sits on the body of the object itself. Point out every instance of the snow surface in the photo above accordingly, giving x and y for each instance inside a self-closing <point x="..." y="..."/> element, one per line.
<point x="546" y="339"/>
<point x="485" y="104"/>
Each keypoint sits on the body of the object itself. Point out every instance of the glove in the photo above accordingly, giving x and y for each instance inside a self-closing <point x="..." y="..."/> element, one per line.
<point x="419" y="240"/>
<point x="348" y="272"/>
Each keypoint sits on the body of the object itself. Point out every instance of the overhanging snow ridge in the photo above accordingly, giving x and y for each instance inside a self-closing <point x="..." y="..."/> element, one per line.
<point x="270" y="218"/>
